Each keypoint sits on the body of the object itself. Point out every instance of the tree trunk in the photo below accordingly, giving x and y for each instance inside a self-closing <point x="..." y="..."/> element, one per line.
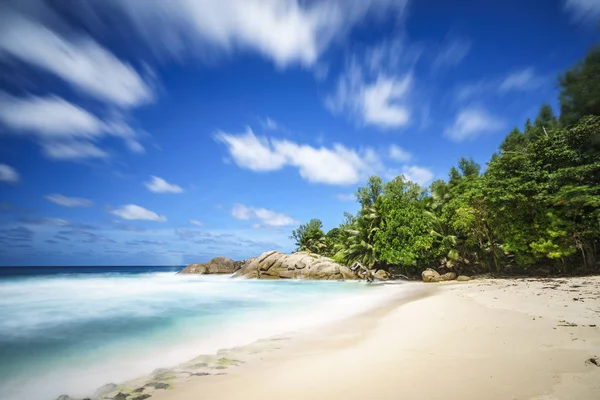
<point x="589" y="256"/>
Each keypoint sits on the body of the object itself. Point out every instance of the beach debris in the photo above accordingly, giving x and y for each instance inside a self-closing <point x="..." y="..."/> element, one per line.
<point x="567" y="324"/>
<point x="593" y="361"/>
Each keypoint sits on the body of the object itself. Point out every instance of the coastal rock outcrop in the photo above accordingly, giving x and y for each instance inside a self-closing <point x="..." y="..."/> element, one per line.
<point x="218" y="265"/>
<point x="383" y="275"/>
<point x="431" y="275"/>
<point x="463" y="278"/>
<point x="301" y="265"/>
<point x="448" y="276"/>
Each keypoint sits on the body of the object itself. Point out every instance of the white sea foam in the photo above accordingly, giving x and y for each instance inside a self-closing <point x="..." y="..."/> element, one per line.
<point x="91" y="330"/>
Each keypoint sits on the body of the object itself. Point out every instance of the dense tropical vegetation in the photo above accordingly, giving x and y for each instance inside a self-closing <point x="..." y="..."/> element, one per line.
<point x="535" y="208"/>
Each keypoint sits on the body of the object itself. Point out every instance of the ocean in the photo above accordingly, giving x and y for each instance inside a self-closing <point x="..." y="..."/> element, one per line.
<point x="70" y="330"/>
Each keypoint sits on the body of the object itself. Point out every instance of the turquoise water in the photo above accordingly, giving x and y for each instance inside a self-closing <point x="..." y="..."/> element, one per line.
<point x="74" y="332"/>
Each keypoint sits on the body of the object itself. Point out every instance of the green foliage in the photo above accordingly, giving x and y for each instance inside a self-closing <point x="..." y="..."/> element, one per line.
<point x="310" y="237"/>
<point x="537" y="204"/>
<point x="580" y="89"/>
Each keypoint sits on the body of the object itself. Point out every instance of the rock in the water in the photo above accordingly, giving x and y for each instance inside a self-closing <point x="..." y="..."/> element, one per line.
<point x="431" y="275"/>
<point x="110" y="387"/>
<point x="448" y="276"/>
<point x="301" y="265"/>
<point x="463" y="278"/>
<point x="218" y="265"/>
<point x="383" y="275"/>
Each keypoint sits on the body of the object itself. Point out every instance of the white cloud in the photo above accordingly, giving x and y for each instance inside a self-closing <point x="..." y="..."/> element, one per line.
<point x="471" y="122"/>
<point x="8" y="174"/>
<point x="376" y="87"/>
<point x="452" y="53"/>
<point x="251" y="152"/>
<point x="381" y="101"/>
<point x="46" y="221"/>
<point x="270" y="123"/>
<point x="73" y="150"/>
<point x="68" y="201"/>
<point x="287" y="31"/>
<point x="345" y="196"/>
<point x="397" y="153"/>
<point x="159" y="185"/>
<point x="196" y="222"/>
<point x="135" y="212"/>
<point x="335" y="166"/>
<point x="521" y="80"/>
<point x="80" y="62"/>
<point x="266" y="217"/>
<point x="525" y="79"/>
<point x="583" y="10"/>
<point x="48" y="117"/>
<point x="64" y="130"/>
<point x="417" y="174"/>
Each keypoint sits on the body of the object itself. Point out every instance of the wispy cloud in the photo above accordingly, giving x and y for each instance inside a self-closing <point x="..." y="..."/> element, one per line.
<point x="8" y="174"/>
<point x="472" y="122"/>
<point x="82" y="63"/>
<point x="285" y="31"/>
<point x="583" y="10"/>
<point x="452" y="53"/>
<point x="65" y="201"/>
<point x="126" y="227"/>
<point x="264" y="216"/>
<point x="522" y="80"/>
<point x="59" y="222"/>
<point x="45" y="221"/>
<point x="19" y="234"/>
<point x="345" y="196"/>
<point x="397" y="153"/>
<point x="196" y="222"/>
<point x="86" y="236"/>
<point x="420" y="175"/>
<point x="525" y="79"/>
<point x="64" y="130"/>
<point x="143" y="242"/>
<point x="135" y="212"/>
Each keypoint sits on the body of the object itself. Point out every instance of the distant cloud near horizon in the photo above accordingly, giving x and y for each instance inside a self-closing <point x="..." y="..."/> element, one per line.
<point x="68" y="201"/>
<point x="266" y="217"/>
<point x="135" y="212"/>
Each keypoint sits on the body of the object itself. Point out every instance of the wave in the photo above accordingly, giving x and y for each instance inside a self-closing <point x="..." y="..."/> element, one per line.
<point x="76" y="333"/>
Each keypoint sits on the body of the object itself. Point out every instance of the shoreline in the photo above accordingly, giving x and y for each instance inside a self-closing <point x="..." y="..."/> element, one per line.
<point x="495" y="338"/>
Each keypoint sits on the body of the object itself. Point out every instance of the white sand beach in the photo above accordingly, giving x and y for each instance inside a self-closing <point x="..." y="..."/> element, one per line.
<point x="484" y="339"/>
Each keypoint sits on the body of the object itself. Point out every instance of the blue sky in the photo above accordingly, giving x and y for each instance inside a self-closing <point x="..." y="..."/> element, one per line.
<point x="152" y="132"/>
